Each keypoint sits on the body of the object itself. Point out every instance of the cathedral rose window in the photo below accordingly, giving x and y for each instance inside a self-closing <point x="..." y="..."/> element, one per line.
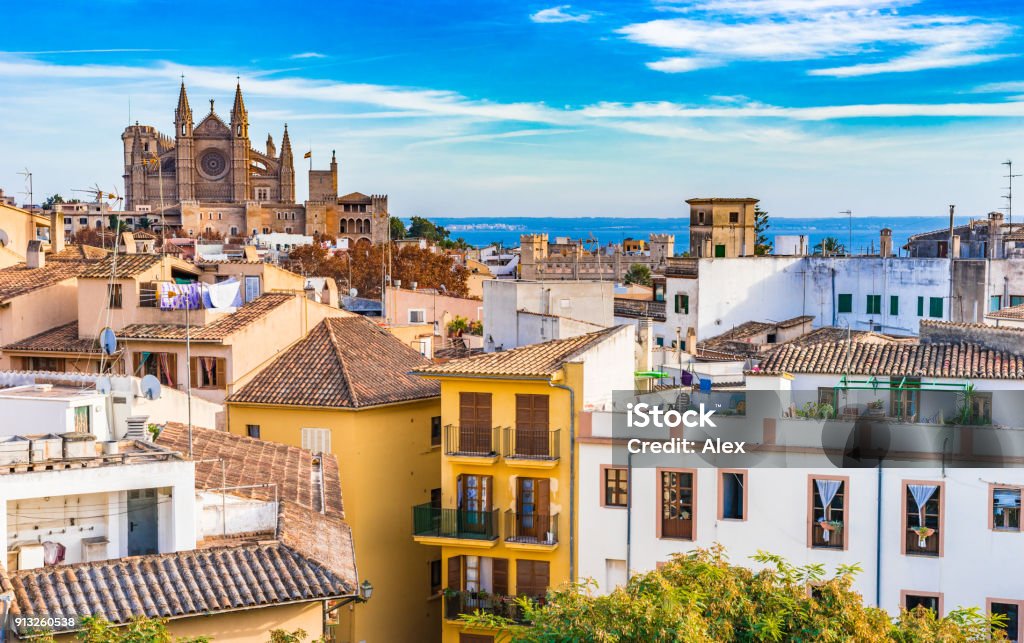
<point x="213" y="164"/>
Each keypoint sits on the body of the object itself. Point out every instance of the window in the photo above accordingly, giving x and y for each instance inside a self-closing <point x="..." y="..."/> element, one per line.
<point x="234" y="231"/>
<point x="928" y="600"/>
<point x="474" y="503"/>
<point x="55" y="364"/>
<point x="615" y="486"/>
<point x="83" y="419"/>
<point x="417" y="316"/>
<point x="435" y="431"/>
<point x="659" y="340"/>
<point x="678" y="499"/>
<point x="995" y="302"/>
<point x="209" y="372"/>
<point x="845" y="303"/>
<point x="732" y="494"/>
<point x="874" y="305"/>
<point x="1010" y="611"/>
<point x="1005" y="503"/>
<point x="683" y="304"/>
<point x="252" y="287"/>
<point x="827" y="395"/>
<point x="720" y="250"/>
<point x="475" y="433"/>
<point x="435" y="497"/>
<point x="163" y="366"/>
<point x="903" y="402"/>
<point x="253" y="430"/>
<point x="435" y="576"/>
<point x="1016" y="300"/>
<point x="923" y="517"/>
<point x="920" y="306"/>
<point x="84" y="221"/>
<point x="894" y="305"/>
<point x="935" y="307"/>
<point x="316" y="440"/>
<point x="828" y="525"/>
<point x="532" y="577"/>
<point x="700" y="216"/>
<point x="114" y="295"/>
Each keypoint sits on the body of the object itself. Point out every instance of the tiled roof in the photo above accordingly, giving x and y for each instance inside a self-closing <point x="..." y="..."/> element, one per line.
<point x="681" y="267"/>
<point x="126" y="265"/>
<point x="345" y="362"/>
<point x="248" y="461"/>
<point x="19" y="280"/>
<point x="736" y="340"/>
<point x="179" y="584"/>
<point x="639" y="308"/>
<point x="212" y="332"/>
<point x="827" y="334"/>
<point x="962" y="360"/>
<point x="535" y="360"/>
<point x="1012" y="312"/>
<point x="143" y="235"/>
<point x="75" y="252"/>
<point x="62" y="339"/>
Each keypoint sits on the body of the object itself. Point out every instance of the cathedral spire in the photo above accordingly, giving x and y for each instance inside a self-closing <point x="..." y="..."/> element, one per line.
<point x="183" y="113"/>
<point x="286" y="143"/>
<point x="238" y="113"/>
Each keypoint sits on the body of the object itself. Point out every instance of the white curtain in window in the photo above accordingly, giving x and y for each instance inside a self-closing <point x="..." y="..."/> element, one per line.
<point x="922" y="493"/>
<point x="827" y="489"/>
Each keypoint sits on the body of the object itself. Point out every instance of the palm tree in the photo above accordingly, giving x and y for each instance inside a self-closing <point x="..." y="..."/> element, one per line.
<point x="829" y="246"/>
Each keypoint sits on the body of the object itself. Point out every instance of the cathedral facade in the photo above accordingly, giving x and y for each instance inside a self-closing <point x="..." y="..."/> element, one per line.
<point x="208" y="178"/>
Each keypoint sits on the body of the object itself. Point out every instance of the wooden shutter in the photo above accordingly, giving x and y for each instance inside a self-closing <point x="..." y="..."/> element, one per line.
<point x="475" y="435"/>
<point x="455" y="572"/>
<point x="532" y="417"/>
<point x="532" y="577"/>
<point x="136" y="364"/>
<point x="221" y="372"/>
<point x="194" y="371"/>
<point x="499" y="573"/>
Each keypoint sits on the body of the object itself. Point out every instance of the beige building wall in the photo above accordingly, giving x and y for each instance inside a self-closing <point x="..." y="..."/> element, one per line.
<point x="20" y="227"/>
<point x="35" y="312"/>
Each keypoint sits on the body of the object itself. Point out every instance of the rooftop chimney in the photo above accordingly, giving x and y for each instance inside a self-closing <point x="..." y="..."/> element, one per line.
<point x="885" y="243"/>
<point x="56" y="231"/>
<point x="995" y="235"/>
<point x="34" y="257"/>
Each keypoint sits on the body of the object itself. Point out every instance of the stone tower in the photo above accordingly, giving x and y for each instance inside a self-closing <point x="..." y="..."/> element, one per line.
<point x="323" y="184"/>
<point x="662" y="247"/>
<point x="287" y="169"/>
<point x="239" y="149"/>
<point x="184" y="160"/>
<point x="533" y="250"/>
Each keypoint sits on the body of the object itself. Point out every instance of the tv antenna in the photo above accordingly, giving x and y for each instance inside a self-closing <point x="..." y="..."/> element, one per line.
<point x="28" y="186"/>
<point x="1009" y="192"/>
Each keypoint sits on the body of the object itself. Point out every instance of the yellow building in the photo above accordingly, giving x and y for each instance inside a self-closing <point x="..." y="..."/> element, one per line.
<point x="345" y="389"/>
<point x="722" y="227"/>
<point x="504" y="514"/>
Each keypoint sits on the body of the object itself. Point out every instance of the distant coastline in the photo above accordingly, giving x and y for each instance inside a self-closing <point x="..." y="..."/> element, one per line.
<point x="485" y="230"/>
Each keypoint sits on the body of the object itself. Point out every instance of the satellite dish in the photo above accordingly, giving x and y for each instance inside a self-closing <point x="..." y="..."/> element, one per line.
<point x="4" y="239"/>
<point x="103" y="385"/>
<point x="150" y="386"/>
<point x="108" y="341"/>
<point x="352" y="292"/>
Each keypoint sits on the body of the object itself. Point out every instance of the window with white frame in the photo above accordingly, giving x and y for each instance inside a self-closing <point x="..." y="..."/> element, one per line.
<point x="316" y="440"/>
<point x="417" y="316"/>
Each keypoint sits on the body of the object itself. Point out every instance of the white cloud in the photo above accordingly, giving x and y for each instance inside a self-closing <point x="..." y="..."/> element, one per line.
<point x="560" y="13"/>
<point x="1008" y="87"/>
<point x="787" y="30"/>
<point x="678" y="65"/>
<point x="307" y="54"/>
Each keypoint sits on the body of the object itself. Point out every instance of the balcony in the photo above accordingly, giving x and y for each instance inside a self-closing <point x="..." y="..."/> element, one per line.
<point x="532" y="531"/>
<point x="436" y="526"/>
<point x="471" y="442"/>
<point x="532" y="447"/>
<point x="458" y="602"/>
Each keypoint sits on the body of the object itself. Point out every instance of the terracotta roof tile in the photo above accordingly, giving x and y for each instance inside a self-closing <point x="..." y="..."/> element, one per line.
<point x="74" y="252"/>
<point x="215" y="331"/>
<point x="1012" y="312"/>
<point x="19" y="280"/>
<point x="345" y="362"/>
<point x="639" y="308"/>
<point x="62" y="339"/>
<point x="126" y="265"/>
<point x="535" y="360"/>
<point x="179" y="584"/>
<point x="963" y="360"/>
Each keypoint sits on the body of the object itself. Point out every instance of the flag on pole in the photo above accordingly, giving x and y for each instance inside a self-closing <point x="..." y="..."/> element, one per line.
<point x="308" y="155"/>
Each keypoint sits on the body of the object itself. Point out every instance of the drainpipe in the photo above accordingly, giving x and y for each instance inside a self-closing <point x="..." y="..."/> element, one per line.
<point x="572" y="479"/>
<point x="629" y="512"/>
<point x="878" y="541"/>
<point x="834" y="304"/>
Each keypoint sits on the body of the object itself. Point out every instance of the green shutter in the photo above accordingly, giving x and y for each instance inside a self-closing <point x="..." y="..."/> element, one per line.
<point x="678" y="302"/>
<point x="846" y="303"/>
<point x="935" y="307"/>
<point x="920" y="306"/>
<point x="720" y="251"/>
<point x="874" y="304"/>
<point x="894" y="305"/>
<point x="686" y="304"/>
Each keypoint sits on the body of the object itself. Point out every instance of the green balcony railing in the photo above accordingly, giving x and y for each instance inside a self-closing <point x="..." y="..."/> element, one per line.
<point x="428" y="520"/>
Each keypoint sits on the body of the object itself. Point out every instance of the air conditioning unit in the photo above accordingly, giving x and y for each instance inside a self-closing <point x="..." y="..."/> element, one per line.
<point x="30" y="556"/>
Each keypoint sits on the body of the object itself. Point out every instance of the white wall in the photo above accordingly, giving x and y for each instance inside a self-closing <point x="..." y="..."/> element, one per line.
<point x="583" y="301"/>
<point x="224" y="514"/>
<point x="26" y="411"/>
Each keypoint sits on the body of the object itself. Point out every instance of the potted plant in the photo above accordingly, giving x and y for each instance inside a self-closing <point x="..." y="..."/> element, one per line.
<point x="875" y="407"/>
<point x="831" y="525"/>
<point x="457" y="326"/>
<point x="922" y="535"/>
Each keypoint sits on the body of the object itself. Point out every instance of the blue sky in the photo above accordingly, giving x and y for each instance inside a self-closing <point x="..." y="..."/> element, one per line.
<point x="545" y="109"/>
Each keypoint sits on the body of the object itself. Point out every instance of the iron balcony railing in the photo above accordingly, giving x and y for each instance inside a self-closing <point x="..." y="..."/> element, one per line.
<point x="428" y="520"/>
<point x="531" y="444"/>
<point x="471" y="440"/>
<point x="458" y="602"/>
<point x="532" y="528"/>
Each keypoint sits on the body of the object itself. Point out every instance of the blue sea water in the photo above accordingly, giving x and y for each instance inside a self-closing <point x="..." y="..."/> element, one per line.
<point x="864" y="230"/>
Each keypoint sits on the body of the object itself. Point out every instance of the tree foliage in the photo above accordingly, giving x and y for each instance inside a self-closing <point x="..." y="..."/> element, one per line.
<point x="423" y="228"/>
<point x="52" y="200"/>
<point x="398" y="230"/>
<point x="761" y="224"/>
<point x="96" y="629"/>
<point x="639" y="274"/>
<point x="829" y="246"/>
<point x="701" y="598"/>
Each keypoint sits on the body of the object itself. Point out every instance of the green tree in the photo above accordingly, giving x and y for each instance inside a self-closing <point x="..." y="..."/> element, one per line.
<point x="829" y="246"/>
<point x="397" y="228"/>
<point x="52" y="200"/>
<point x="761" y="224"/>
<point x="639" y="274"/>
<point x="700" y="597"/>
<point x="144" y="223"/>
<point x="96" y="629"/>
<point x="423" y="228"/>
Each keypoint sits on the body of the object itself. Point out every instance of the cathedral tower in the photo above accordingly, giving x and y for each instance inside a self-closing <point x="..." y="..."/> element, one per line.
<point x="239" y="149"/>
<point x="287" y="169"/>
<point x="184" y="159"/>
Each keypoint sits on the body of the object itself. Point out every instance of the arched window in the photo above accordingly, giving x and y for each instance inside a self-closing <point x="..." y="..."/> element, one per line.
<point x="342" y="228"/>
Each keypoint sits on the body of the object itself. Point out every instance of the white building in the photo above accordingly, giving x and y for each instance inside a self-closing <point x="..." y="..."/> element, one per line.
<point x="518" y="313"/>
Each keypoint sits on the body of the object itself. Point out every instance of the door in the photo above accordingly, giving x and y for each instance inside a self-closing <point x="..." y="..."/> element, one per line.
<point x="532" y="426"/>
<point x="142" y="522"/>
<point x="475" y="424"/>
<point x="533" y="520"/>
<point x="677" y="505"/>
<point x="252" y="288"/>
<point x="474" y="503"/>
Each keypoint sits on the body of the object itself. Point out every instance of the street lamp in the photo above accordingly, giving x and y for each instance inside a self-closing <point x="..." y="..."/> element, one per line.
<point x="365" y="590"/>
